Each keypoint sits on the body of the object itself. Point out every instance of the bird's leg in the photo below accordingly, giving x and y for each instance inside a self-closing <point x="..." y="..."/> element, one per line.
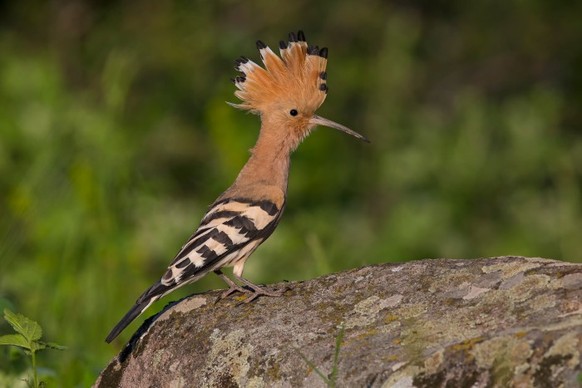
<point x="257" y="290"/>
<point x="233" y="286"/>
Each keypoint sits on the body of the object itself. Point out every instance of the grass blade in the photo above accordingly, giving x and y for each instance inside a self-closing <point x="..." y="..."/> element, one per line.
<point x="312" y="366"/>
<point x="338" y="344"/>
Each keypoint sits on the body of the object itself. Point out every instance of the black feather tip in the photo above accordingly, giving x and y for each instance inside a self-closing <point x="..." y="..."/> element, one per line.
<point x="323" y="52"/>
<point x="292" y="37"/>
<point x="300" y="36"/>
<point x="313" y="50"/>
<point x="261" y="45"/>
<point x="240" y="60"/>
<point x="282" y="45"/>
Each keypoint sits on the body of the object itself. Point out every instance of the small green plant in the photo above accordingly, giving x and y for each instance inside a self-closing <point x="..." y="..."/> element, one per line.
<point x="331" y="378"/>
<point x="27" y="338"/>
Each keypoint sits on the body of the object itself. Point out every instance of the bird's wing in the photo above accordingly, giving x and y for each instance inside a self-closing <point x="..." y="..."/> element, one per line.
<point x="229" y="226"/>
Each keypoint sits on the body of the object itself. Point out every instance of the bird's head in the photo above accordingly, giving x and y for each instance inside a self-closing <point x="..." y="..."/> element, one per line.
<point x="288" y="91"/>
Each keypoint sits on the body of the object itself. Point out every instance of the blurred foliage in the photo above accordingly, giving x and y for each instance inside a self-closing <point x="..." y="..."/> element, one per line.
<point x="114" y="138"/>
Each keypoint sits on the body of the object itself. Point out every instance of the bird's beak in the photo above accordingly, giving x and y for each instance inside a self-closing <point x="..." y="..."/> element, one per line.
<point x="318" y="120"/>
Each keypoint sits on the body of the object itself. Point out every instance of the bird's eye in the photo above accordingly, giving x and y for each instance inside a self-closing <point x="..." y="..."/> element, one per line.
<point x="293" y="112"/>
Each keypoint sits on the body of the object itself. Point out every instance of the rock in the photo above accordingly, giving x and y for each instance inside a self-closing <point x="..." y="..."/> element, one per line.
<point x="505" y="321"/>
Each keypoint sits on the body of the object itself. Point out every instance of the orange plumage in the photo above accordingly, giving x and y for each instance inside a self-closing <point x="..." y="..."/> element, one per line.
<point x="295" y="78"/>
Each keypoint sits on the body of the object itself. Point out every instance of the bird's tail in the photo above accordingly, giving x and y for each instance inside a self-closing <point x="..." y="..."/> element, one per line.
<point x="145" y="301"/>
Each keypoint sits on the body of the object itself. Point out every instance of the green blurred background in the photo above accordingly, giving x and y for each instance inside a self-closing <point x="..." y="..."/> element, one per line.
<point x="115" y="137"/>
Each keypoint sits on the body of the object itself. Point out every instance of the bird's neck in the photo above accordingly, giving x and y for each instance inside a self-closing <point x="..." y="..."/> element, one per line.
<point x="268" y="164"/>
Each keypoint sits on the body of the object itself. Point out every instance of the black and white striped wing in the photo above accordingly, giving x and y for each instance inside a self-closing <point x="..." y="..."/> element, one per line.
<point x="230" y="230"/>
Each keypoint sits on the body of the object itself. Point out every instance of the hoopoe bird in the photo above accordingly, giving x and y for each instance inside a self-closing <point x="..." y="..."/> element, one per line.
<point x="285" y="94"/>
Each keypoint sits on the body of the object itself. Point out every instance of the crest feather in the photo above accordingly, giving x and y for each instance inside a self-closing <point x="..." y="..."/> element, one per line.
<point x="296" y="77"/>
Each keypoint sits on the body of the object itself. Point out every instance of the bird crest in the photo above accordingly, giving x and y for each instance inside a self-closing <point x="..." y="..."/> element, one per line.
<point x="295" y="77"/>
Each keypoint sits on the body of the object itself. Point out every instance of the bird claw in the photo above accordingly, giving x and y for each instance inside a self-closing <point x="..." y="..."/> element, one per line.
<point x="233" y="288"/>
<point x="252" y="290"/>
<point x="252" y="293"/>
<point x="257" y="291"/>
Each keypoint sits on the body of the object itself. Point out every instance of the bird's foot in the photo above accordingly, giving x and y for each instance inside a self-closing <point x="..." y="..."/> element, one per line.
<point x="252" y="290"/>
<point x="255" y="291"/>
<point x="233" y="287"/>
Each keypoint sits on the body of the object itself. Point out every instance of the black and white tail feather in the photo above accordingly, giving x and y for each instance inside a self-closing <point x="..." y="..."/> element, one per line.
<point x="229" y="232"/>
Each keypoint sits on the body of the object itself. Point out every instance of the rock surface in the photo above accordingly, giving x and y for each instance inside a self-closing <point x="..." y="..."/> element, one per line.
<point x="505" y="321"/>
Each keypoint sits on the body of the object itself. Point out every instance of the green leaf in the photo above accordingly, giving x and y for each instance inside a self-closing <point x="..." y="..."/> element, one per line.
<point x="52" y="345"/>
<point x="36" y="345"/>
<point x="23" y="325"/>
<point x="14" y="340"/>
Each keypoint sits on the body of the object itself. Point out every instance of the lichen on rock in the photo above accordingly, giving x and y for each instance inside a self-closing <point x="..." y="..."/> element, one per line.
<point x="504" y="321"/>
